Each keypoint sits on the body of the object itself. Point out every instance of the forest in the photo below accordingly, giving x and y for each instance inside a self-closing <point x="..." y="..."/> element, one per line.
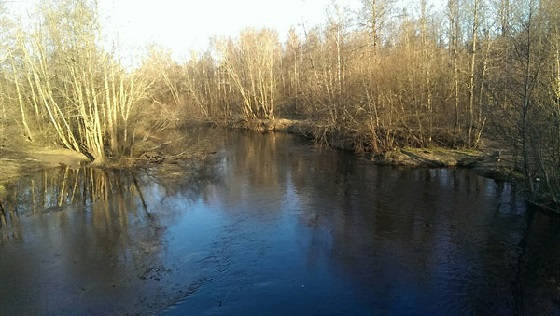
<point x="471" y="74"/>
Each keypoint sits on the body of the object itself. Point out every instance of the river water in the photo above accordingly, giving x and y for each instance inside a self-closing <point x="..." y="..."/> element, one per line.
<point x="273" y="225"/>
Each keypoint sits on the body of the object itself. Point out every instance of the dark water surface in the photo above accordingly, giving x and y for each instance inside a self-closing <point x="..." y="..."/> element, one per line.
<point x="275" y="226"/>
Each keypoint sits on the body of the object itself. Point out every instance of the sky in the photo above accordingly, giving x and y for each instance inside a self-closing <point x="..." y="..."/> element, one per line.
<point x="182" y="25"/>
<point x="185" y="25"/>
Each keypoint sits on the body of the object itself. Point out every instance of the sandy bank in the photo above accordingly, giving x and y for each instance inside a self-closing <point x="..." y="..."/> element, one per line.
<point x="28" y="159"/>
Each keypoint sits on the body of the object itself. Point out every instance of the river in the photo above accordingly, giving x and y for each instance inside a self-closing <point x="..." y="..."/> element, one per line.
<point x="274" y="225"/>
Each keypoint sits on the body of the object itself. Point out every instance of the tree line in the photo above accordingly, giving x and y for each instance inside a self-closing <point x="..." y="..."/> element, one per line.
<point x="387" y="76"/>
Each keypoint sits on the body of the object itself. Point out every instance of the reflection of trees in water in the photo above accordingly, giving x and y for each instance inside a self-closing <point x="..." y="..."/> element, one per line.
<point x="187" y="179"/>
<point x="8" y="217"/>
<point x="100" y="233"/>
<point x="88" y="224"/>
<point x="256" y="156"/>
<point x="536" y="289"/>
<point x="448" y="233"/>
<point x="108" y="195"/>
<point x="253" y="169"/>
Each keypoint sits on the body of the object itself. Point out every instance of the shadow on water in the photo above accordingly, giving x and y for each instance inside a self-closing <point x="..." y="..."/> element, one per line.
<point x="275" y="226"/>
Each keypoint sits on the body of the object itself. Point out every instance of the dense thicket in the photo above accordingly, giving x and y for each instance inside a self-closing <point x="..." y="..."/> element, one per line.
<point x="471" y="72"/>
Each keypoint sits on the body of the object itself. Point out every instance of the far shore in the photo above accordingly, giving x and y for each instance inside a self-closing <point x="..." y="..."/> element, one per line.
<point x="487" y="162"/>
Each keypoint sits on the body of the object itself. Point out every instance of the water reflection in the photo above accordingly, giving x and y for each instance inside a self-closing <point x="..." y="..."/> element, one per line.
<point x="107" y="195"/>
<point x="75" y="239"/>
<point x="275" y="224"/>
